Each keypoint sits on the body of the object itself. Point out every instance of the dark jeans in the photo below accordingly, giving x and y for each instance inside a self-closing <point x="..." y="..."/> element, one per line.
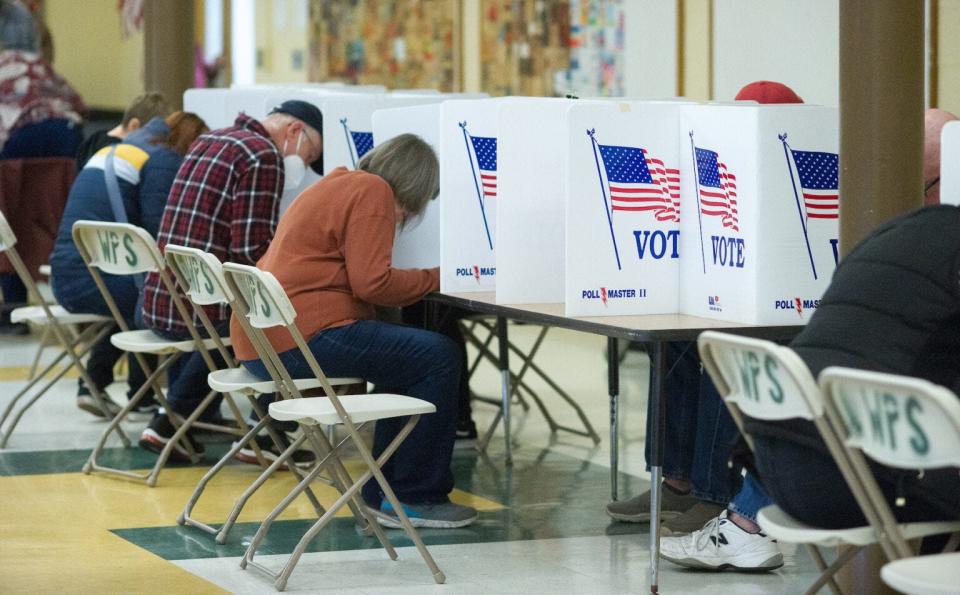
<point x="14" y="294"/>
<point x="187" y="377"/>
<point x="699" y="430"/>
<point x="448" y="325"/>
<point x="806" y="484"/>
<point x="80" y="295"/>
<point x="58" y="137"/>
<point x="402" y="360"/>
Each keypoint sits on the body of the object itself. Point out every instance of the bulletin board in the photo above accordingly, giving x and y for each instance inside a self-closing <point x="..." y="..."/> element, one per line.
<point x="524" y="46"/>
<point x="396" y="43"/>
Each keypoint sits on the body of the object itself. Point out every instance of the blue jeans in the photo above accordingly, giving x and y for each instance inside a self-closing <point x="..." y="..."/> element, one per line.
<point x="79" y="294"/>
<point x="406" y="361"/>
<point x="699" y="430"/>
<point x="187" y="377"/>
<point x="750" y="499"/>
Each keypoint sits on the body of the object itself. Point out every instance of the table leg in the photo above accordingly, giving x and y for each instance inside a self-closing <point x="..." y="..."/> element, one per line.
<point x="657" y="409"/>
<point x="504" y="345"/>
<point x="613" y="389"/>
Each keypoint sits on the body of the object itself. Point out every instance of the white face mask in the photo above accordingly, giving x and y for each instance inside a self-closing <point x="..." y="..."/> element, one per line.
<point x="293" y="167"/>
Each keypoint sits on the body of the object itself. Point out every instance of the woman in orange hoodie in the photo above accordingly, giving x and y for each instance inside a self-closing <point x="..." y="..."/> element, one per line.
<point x="332" y="254"/>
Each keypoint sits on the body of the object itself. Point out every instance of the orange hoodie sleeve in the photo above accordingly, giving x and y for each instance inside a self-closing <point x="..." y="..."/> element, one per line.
<point x="368" y="251"/>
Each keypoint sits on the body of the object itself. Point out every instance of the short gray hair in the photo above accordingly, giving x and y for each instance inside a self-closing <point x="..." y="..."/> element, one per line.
<point x="411" y="168"/>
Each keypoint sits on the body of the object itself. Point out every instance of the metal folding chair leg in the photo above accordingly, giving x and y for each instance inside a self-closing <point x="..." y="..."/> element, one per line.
<point x="253" y="487"/>
<point x="150" y="383"/>
<point x="94" y="332"/>
<point x="822" y="566"/>
<point x="223" y="531"/>
<point x="827" y="575"/>
<point x="373" y="470"/>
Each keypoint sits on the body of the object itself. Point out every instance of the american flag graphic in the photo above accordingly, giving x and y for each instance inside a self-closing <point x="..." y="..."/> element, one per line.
<point x="639" y="182"/>
<point x="818" y="173"/>
<point x="718" y="189"/>
<point x="485" y="147"/>
<point x="362" y="142"/>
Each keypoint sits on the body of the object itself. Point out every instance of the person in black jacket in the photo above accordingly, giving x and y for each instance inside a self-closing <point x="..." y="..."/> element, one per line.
<point x="893" y="306"/>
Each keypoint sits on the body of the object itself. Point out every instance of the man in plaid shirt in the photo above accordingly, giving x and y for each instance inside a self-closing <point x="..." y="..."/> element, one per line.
<point x="225" y="200"/>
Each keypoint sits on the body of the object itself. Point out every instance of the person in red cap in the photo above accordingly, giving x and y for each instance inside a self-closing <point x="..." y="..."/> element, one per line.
<point x="702" y="494"/>
<point x="767" y="92"/>
<point x="225" y="200"/>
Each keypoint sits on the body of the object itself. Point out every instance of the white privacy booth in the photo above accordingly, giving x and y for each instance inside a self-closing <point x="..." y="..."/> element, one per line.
<point x="531" y="190"/>
<point x="417" y="246"/>
<point x="468" y="195"/>
<point x="623" y="208"/>
<point x="759" y="210"/>
<point x="950" y="164"/>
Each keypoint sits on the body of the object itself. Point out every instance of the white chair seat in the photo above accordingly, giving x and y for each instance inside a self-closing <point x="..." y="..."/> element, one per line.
<point x="924" y="575"/>
<point x="241" y="380"/>
<point x="147" y="341"/>
<point x="36" y="315"/>
<point x="360" y="408"/>
<point x="780" y="525"/>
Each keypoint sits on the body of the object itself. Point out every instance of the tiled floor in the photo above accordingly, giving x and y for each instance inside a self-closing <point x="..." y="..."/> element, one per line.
<point x="542" y="528"/>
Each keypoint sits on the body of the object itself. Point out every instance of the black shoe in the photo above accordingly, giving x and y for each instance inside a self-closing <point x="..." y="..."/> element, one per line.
<point x="301" y="458"/>
<point x="158" y="434"/>
<point x="466" y="435"/>
<point x="146" y="405"/>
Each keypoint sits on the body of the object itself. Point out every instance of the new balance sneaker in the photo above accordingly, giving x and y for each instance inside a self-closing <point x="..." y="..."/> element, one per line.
<point x="159" y="433"/>
<point x="86" y="402"/>
<point x="435" y="516"/>
<point x="692" y="519"/>
<point x="303" y="459"/>
<point x="637" y="509"/>
<point x="722" y="545"/>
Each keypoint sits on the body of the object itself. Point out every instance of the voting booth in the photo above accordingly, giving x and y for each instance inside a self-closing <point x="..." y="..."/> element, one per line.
<point x="623" y="208"/>
<point x="418" y="245"/>
<point x="531" y="190"/>
<point x="950" y="163"/>
<point x="468" y="195"/>
<point x="759" y="210"/>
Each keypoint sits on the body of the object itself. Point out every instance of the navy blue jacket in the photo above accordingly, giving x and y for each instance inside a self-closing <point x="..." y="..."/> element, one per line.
<point x="145" y="171"/>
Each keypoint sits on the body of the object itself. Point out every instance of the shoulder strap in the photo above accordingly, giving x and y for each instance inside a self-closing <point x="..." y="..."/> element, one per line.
<point x="116" y="201"/>
<point x="113" y="189"/>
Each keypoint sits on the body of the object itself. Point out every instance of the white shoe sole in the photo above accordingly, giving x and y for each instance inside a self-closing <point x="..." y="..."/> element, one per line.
<point x="772" y="563"/>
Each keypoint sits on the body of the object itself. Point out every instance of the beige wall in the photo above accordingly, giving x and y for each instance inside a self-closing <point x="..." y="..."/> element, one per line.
<point x="280" y="31"/>
<point x="948" y="56"/>
<point x="106" y="70"/>
<point x="695" y="52"/>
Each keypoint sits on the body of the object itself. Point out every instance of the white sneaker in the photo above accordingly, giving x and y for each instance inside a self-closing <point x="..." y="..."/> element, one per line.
<point x="720" y="545"/>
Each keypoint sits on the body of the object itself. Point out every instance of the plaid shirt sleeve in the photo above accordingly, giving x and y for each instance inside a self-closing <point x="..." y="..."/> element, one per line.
<point x="255" y="207"/>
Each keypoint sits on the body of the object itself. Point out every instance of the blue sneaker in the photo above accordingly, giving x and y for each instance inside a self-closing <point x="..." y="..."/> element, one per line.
<point x="435" y="516"/>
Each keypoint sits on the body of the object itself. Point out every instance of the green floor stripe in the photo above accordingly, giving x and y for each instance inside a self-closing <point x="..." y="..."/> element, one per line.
<point x="71" y="461"/>
<point x="574" y="507"/>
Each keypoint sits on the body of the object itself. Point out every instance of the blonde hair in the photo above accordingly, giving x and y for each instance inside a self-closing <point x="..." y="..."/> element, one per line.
<point x="411" y="168"/>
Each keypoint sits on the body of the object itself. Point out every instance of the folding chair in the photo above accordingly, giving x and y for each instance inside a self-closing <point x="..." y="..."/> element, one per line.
<point x="762" y="380"/>
<point x="124" y="249"/>
<point x="900" y="422"/>
<point x="57" y="320"/>
<point x="200" y="275"/>
<point x="924" y="575"/>
<point x="265" y="304"/>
